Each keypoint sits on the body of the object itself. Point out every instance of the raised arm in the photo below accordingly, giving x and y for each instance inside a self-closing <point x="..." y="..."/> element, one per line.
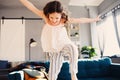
<point x="84" y="20"/>
<point x="31" y="7"/>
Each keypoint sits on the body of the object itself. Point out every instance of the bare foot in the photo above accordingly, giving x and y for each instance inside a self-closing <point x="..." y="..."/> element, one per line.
<point x="74" y="77"/>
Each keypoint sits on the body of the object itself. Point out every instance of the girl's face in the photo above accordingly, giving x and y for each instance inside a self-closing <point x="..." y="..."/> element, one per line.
<point x="54" y="18"/>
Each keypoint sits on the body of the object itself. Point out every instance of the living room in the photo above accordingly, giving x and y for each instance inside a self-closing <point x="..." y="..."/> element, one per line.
<point x="19" y="25"/>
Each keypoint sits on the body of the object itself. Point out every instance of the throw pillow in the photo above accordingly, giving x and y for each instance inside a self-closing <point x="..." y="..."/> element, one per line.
<point x="27" y="77"/>
<point x="34" y="73"/>
<point x="3" y="64"/>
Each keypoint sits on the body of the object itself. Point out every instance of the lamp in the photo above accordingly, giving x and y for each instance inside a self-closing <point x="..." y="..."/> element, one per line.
<point x="32" y="43"/>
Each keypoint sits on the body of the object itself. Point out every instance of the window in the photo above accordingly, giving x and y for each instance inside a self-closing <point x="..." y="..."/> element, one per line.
<point x="108" y="35"/>
<point x="118" y="24"/>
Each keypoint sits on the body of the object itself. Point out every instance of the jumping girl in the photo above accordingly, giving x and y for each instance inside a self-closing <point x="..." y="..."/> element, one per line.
<point x="54" y="38"/>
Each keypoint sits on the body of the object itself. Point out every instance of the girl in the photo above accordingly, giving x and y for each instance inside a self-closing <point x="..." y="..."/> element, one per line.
<point x="54" y="38"/>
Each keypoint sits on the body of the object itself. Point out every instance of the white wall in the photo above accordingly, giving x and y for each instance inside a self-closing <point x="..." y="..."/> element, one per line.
<point x="33" y="30"/>
<point x="85" y="29"/>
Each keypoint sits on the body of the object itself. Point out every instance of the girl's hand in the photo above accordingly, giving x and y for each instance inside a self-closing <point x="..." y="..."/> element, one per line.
<point x="97" y="18"/>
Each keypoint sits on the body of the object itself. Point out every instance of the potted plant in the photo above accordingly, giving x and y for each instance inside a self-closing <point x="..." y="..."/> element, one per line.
<point x="89" y="51"/>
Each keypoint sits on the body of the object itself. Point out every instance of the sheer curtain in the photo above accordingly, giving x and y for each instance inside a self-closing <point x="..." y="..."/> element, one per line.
<point x="118" y="24"/>
<point x="107" y="39"/>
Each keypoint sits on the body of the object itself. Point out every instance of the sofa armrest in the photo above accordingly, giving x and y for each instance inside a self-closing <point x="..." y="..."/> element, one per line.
<point x="4" y="74"/>
<point x="4" y="71"/>
<point x="115" y="70"/>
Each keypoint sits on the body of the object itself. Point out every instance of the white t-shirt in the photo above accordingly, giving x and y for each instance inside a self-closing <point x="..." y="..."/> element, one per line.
<point x="54" y="38"/>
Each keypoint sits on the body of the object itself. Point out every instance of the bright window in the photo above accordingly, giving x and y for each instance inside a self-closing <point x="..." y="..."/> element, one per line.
<point x="118" y="24"/>
<point x="107" y="37"/>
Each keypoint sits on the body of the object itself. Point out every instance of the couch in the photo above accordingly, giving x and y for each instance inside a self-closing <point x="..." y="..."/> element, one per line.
<point x="4" y="69"/>
<point x="88" y="69"/>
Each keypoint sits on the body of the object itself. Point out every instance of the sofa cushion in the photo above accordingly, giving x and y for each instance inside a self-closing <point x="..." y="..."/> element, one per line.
<point x="3" y="64"/>
<point x="64" y="73"/>
<point x="100" y="78"/>
<point x="47" y="65"/>
<point x="115" y="70"/>
<point x="93" y="68"/>
<point x="34" y="73"/>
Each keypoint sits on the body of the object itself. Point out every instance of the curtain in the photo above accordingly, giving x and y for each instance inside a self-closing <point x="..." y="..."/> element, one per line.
<point x="118" y="24"/>
<point x="12" y="40"/>
<point x="107" y="39"/>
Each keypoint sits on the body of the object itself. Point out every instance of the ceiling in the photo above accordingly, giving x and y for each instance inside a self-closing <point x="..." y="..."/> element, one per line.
<point x="85" y="2"/>
<point x="41" y="3"/>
